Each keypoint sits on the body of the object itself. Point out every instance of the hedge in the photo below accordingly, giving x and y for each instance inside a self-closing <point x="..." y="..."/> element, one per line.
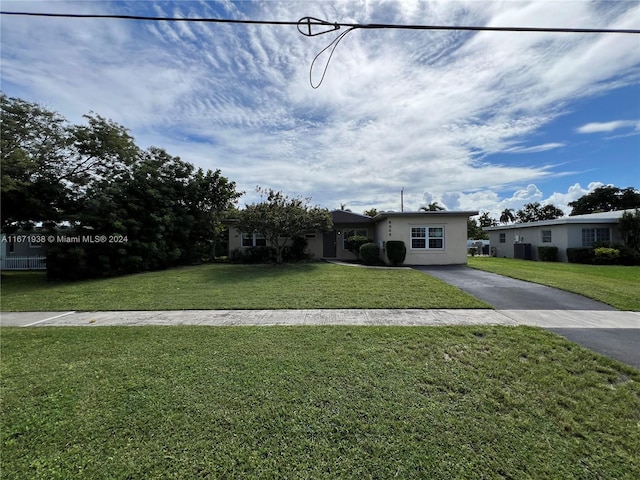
<point x="548" y="254"/>
<point x="370" y="253"/>
<point x="396" y="251"/>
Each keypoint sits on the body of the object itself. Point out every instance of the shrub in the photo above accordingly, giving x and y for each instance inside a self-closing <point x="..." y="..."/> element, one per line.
<point x="580" y="255"/>
<point x="370" y="253"/>
<point x="396" y="252"/>
<point x="296" y="252"/>
<point x="253" y="255"/>
<point x="355" y="242"/>
<point x="606" y="256"/>
<point x="472" y="251"/>
<point x="548" y="254"/>
<point x="628" y="256"/>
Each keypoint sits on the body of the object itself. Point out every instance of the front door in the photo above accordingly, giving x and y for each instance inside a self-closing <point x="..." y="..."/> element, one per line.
<point x="329" y="244"/>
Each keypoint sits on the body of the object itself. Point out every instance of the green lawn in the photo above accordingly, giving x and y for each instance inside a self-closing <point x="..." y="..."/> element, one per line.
<point x="615" y="285"/>
<point x="223" y="286"/>
<point x="313" y="402"/>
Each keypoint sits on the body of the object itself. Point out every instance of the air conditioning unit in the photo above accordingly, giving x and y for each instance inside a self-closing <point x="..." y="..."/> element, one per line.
<point x="517" y="239"/>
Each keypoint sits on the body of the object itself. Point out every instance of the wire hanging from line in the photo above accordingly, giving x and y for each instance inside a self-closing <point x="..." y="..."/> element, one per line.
<point x="310" y="22"/>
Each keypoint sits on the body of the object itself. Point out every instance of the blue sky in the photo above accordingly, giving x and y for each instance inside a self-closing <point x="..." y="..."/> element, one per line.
<point x="476" y="121"/>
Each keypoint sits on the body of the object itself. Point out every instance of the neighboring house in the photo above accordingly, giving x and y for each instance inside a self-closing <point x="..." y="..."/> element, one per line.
<point x="22" y="251"/>
<point x="520" y="240"/>
<point x="431" y="238"/>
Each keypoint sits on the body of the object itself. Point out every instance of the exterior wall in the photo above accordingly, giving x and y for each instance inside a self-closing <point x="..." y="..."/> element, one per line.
<point x="563" y="236"/>
<point x="314" y="244"/>
<point x="455" y="238"/>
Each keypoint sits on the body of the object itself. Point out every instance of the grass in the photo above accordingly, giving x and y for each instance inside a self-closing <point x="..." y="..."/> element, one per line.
<point x="222" y="286"/>
<point x="313" y="402"/>
<point x="615" y="285"/>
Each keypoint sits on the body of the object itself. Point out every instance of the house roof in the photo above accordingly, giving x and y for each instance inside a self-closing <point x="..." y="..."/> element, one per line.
<point x="439" y="213"/>
<point x="601" y="217"/>
<point x="343" y="216"/>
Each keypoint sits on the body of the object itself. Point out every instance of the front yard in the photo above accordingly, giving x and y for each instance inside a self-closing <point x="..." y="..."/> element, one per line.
<point x="223" y="286"/>
<point x="313" y="402"/>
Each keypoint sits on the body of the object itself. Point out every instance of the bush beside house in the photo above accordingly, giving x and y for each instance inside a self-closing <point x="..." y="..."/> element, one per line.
<point x="370" y="253"/>
<point x="548" y="254"/>
<point x="396" y="252"/>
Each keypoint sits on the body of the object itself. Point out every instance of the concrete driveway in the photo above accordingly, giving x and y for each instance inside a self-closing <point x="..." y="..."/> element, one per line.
<point x="505" y="293"/>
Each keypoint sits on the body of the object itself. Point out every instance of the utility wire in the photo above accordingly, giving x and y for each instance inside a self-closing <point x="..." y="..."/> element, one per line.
<point x="311" y="27"/>
<point x="337" y="25"/>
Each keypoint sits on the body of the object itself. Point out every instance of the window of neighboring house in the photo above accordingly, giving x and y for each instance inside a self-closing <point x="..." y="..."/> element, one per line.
<point x="593" y="235"/>
<point x="353" y="232"/>
<point x="503" y="238"/>
<point x="253" y="240"/>
<point x="546" y="236"/>
<point x="428" y="238"/>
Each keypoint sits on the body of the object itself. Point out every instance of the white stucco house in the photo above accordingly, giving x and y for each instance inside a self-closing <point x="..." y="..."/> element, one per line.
<point x="518" y="239"/>
<point x="431" y="238"/>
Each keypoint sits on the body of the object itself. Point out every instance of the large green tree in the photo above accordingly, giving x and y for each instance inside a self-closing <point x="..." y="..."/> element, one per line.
<point x="629" y="225"/>
<point x="534" y="212"/>
<point x="168" y="212"/>
<point x="48" y="164"/>
<point x="474" y="230"/>
<point x="279" y="218"/>
<point x="606" y="199"/>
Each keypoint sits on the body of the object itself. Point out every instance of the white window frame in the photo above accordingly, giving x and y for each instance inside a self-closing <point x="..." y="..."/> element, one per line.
<point x="254" y="240"/>
<point x="428" y="233"/>
<point x="594" y="234"/>
<point x="546" y="236"/>
<point x="353" y="232"/>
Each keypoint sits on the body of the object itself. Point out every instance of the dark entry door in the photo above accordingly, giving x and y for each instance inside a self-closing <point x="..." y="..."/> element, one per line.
<point x="329" y="244"/>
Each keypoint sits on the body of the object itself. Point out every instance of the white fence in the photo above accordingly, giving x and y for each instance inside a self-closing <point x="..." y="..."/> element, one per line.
<point x="23" y="263"/>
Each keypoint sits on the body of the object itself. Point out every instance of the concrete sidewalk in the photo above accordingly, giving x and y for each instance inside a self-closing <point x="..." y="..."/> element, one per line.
<point x="596" y="319"/>
<point x="612" y="333"/>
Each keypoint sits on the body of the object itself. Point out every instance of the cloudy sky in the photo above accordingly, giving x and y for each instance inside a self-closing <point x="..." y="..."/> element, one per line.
<point x="476" y="121"/>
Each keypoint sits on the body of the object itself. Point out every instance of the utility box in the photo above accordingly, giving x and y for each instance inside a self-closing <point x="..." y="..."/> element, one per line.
<point x="522" y="251"/>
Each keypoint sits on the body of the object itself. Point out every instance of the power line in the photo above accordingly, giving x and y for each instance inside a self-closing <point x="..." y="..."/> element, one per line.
<point x="310" y="22"/>
<point x="311" y="27"/>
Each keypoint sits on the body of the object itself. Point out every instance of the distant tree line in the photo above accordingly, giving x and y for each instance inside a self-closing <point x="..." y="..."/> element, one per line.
<point x="142" y="209"/>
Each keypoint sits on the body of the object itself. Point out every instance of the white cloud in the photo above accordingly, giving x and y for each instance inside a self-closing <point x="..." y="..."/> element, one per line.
<point x="536" y="148"/>
<point x="419" y="110"/>
<point x="597" y="127"/>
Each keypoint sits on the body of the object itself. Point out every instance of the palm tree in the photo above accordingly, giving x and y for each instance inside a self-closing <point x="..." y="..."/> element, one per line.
<point x="507" y="216"/>
<point x="433" y="207"/>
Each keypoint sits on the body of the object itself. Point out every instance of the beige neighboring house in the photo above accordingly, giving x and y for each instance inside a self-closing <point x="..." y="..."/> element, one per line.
<point x="521" y="240"/>
<point x="431" y="238"/>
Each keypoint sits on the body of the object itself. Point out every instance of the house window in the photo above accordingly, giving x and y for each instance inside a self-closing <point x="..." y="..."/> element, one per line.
<point x="353" y="232"/>
<point x="428" y="238"/>
<point x="503" y="238"/>
<point x="253" y="240"/>
<point x="546" y="236"/>
<point x="593" y="235"/>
